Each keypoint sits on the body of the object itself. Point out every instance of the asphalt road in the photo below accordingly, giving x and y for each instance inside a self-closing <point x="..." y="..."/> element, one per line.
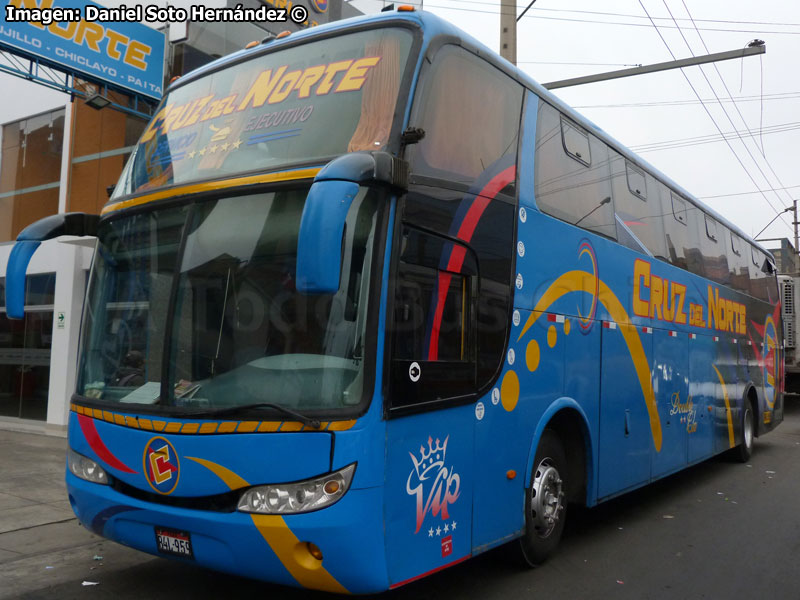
<point x="718" y="530"/>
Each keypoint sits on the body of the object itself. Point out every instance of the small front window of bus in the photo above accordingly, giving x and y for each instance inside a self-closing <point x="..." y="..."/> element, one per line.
<point x="241" y="333"/>
<point x="306" y="103"/>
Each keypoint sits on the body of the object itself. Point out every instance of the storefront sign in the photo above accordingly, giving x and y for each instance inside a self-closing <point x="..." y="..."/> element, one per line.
<point x="76" y="35"/>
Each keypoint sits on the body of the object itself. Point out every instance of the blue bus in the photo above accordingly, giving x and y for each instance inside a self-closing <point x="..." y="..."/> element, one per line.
<point x="368" y="301"/>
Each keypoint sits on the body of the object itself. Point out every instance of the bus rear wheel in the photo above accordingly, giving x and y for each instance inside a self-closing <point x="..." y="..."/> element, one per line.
<point x="545" y="501"/>
<point x="744" y="451"/>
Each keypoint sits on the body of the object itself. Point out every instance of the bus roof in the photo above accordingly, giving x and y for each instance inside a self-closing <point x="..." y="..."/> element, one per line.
<point x="434" y="26"/>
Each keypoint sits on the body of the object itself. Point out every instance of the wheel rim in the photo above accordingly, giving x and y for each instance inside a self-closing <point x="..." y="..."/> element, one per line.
<point x="547" y="495"/>
<point x="748" y="428"/>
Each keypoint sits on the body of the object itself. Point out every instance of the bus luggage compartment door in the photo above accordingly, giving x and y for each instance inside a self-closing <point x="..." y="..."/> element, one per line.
<point x="625" y="433"/>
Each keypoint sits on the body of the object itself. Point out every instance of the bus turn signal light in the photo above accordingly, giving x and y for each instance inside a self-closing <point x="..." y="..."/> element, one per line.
<point x="405" y="8"/>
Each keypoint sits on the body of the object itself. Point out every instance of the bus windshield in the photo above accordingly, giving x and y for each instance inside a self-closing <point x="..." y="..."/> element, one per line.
<point x="211" y="286"/>
<point x="306" y="103"/>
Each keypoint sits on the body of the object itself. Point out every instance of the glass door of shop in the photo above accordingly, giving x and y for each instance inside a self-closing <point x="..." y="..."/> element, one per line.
<point x="25" y="351"/>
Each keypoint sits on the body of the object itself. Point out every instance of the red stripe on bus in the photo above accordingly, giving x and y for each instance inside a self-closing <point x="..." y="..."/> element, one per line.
<point x="96" y="443"/>
<point x="431" y="572"/>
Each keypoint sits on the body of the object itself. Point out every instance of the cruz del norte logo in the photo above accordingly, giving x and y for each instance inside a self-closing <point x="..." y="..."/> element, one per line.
<point x="431" y="482"/>
<point x="161" y="465"/>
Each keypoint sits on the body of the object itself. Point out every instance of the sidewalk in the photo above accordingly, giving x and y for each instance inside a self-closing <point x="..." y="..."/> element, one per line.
<point x="40" y="538"/>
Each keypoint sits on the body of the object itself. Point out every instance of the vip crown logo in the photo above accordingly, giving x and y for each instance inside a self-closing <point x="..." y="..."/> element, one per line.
<point x="431" y="459"/>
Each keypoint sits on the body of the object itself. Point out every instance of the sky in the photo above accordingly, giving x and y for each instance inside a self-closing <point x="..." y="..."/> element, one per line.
<point x="749" y="178"/>
<point x="559" y="39"/>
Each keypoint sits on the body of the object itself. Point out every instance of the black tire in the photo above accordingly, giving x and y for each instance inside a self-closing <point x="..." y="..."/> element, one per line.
<point x="545" y="501"/>
<point x="744" y="450"/>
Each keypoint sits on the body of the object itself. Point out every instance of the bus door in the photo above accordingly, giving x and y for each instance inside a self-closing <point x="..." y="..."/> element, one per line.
<point x="431" y="407"/>
<point x="670" y="370"/>
<point x="626" y="439"/>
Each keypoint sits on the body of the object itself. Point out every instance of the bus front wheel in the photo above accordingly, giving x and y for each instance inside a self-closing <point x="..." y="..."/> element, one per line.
<point x="545" y="501"/>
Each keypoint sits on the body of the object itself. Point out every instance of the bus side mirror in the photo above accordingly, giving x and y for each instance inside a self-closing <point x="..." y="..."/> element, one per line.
<point x="319" y="243"/>
<point x="28" y="241"/>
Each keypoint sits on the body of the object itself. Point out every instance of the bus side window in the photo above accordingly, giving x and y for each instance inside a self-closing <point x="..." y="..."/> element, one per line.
<point x="714" y="254"/>
<point x="572" y="178"/>
<point x="638" y="213"/>
<point x="738" y="261"/>
<point x="433" y="324"/>
<point x="470" y="113"/>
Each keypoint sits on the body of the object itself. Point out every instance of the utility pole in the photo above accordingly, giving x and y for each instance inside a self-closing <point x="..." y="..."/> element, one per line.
<point x="796" y="249"/>
<point x="508" y="30"/>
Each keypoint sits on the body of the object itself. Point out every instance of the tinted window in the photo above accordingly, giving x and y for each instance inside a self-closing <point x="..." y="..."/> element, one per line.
<point x="576" y="142"/>
<point x="433" y="327"/>
<point x="470" y="112"/>
<point x="640" y="224"/>
<point x="568" y="188"/>
<point x="636" y="181"/>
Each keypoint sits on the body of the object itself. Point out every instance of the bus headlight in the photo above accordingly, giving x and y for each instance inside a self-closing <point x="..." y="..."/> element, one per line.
<point x="300" y="497"/>
<point x="86" y="468"/>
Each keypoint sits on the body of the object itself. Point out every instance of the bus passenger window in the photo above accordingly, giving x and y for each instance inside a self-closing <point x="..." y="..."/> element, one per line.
<point x="565" y="185"/>
<point x="470" y="112"/>
<point x="576" y="142"/>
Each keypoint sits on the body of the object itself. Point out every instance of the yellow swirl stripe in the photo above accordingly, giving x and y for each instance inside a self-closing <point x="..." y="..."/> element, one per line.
<point x="581" y="281"/>
<point x="289" y="550"/>
<point x="727" y="406"/>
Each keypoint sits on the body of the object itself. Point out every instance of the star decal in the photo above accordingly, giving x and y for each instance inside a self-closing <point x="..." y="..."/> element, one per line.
<point x="430" y="532"/>
<point x="438" y="531"/>
<point x="446" y="527"/>
<point x="213" y="149"/>
<point x="453" y="526"/>
<point x="202" y="152"/>
<point x="192" y="154"/>
<point x="225" y="146"/>
<point x="237" y="143"/>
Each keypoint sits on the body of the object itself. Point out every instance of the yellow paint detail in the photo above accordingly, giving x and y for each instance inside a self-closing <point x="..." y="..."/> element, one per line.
<point x="581" y="281"/>
<point x="190" y="427"/>
<point x="247" y="426"/>
<point x="229" y="478"/>
<point x="269" y="426"/>
<point x="119" y="419"/>
<point x="727" y="406"/>
<point x="227" y="427"/>
<point x="284" y="543"/>
<point x="132" y="422"/>
<point x="98" y="414"/>
<point x="159" y="425"/>
<point x="173" y="427"/>
<point x="552" y="336"/>
<point x="107" y="416"/>
<point x="208" y="186"/>
<point x="145" y="424"/>
<point x="341" y="425"/>
<point x="532" y="355"/>
<point x="291" y="426"/>
<point x="567" y="326"/>
<point x="767" y="417"/>
<point x="509" y="391"/>
<point x="208" y="427"/>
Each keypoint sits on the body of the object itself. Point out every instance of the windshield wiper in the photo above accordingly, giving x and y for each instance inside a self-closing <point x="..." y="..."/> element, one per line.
<point x="310" y="421"/>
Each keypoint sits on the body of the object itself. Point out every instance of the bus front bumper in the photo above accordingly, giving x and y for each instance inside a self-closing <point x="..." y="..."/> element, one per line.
<point x="272" y="548"/>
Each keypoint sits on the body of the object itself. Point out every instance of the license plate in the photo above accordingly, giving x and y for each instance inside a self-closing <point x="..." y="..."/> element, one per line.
<point x="172" y="541"/>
